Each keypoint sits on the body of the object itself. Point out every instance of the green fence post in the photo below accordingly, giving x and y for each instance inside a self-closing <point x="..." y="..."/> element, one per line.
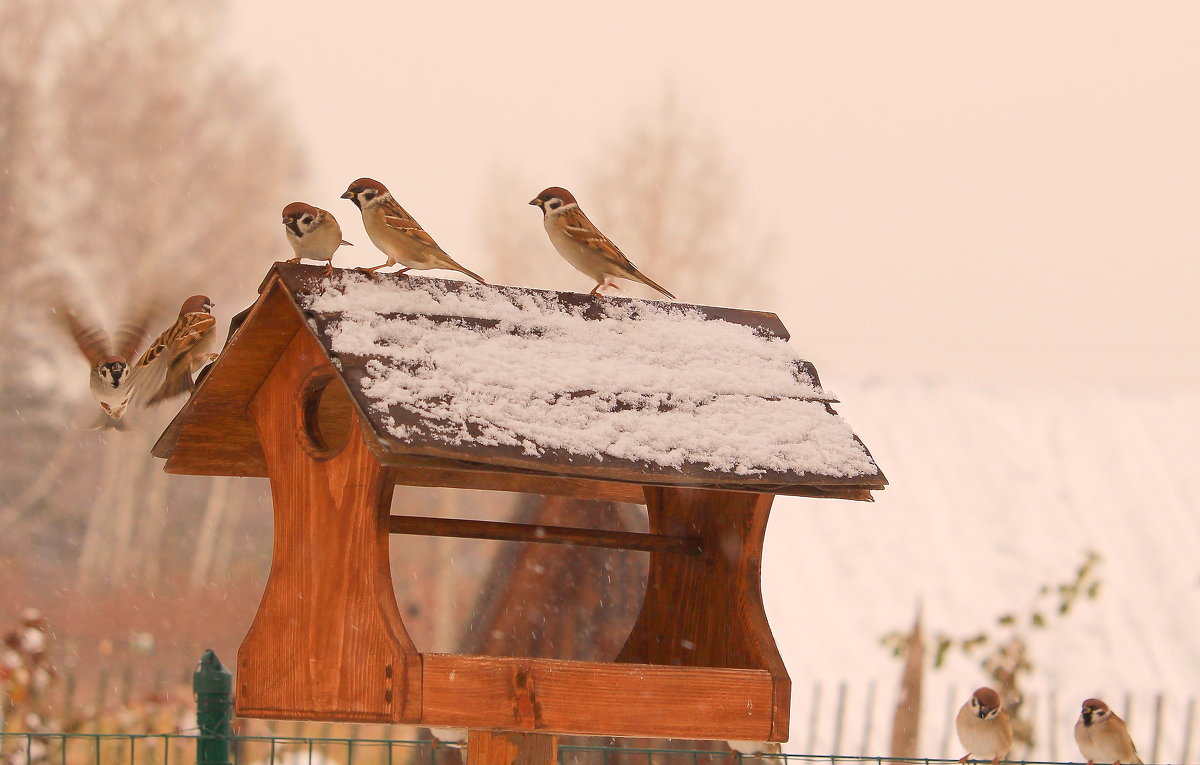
<point x="213" y="687"/>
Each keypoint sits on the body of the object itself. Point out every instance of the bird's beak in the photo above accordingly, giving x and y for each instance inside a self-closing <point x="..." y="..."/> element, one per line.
<point x="536" y="202"/>
<point x="348" y="195"/>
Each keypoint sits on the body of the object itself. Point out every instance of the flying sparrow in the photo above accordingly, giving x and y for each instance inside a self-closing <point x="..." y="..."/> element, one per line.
<point x="165" y="370"/>
<point x="396" y="233"/>
<point x="983" y="727"/>
<point x="1103" y="737"/>
<point x="313" y="233"/>
<point x="110" y="379"/>
<point x="582" y="245"/>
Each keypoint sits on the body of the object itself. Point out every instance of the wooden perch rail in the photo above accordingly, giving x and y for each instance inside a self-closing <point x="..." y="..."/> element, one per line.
<point x="528" y="532"/>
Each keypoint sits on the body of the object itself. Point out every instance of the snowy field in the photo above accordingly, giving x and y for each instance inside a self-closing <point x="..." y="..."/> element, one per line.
<point x="995" y="493"/>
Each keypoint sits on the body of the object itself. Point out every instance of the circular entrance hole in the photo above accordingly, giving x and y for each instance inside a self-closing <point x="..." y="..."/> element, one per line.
<point x="328" y="414"/>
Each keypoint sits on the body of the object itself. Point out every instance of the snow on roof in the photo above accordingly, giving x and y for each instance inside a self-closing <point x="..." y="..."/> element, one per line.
<point x="645" y="381"/>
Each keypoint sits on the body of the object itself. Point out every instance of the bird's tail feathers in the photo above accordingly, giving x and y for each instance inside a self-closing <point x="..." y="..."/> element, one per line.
<point x="471" y="274"/>
<point x="177" y="383"/>
<point x="107" y="422"/>
<point x="646" y="280"/>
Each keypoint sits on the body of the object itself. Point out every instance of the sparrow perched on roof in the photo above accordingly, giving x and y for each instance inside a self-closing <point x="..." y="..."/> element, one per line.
<point x="110" y="380"/>
<point x="396" y="233"/>
<point x="313" y="233"/>
<point x="1103" y="737"/>
<point x="983" y="727"/>
<point x="165" y="370"/>
<point x="582" y="245"/>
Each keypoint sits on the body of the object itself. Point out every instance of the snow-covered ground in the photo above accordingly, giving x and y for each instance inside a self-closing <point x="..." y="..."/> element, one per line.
<point x="994" y="493"/>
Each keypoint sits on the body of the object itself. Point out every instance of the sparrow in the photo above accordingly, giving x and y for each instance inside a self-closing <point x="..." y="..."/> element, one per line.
<point x="983" y="727"/>
<point x="396" y="233"/>
<point x="582" y="245"/>
<point x="165" y="370"/>
<point x="1102" y="736"/>
<point x="313" y="233"/>
<point x="110" y="380"/>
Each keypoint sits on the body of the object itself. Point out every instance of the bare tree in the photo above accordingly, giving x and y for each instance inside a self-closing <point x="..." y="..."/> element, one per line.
<point x="141" y="158"/>
<point x="666" y="191"/>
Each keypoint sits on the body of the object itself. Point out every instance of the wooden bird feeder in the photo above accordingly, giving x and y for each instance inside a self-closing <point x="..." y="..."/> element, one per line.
<point x="290" y="400"/>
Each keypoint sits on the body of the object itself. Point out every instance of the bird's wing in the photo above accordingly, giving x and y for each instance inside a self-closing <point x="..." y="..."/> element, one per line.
<point x="93" y="342"/>
<point x="402" y="223"/>
<point x="155" y="371"/>
<point x="70" y="311"/>
<point x="577" y="226"/>
<point x="132" y="332"/>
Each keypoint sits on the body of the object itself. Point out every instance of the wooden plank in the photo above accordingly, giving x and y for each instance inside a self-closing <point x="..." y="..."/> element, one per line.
<point x="327" y="642"/>
<point x="589" y="698"/>
<point x="528" y="532"/>
<point x="458" y="474"/>
<point x="505" y="748"/>
<point x="707" y="610"/>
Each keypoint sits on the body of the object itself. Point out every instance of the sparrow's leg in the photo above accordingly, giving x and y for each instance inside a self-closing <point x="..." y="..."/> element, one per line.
<point x="373" y="269"/>
<point x="329" y="267"/>
<point x="293" y="260"/>
<point x="964" y="757"/>
<point x="403" y="271"/>
<point x="596" y="289"/>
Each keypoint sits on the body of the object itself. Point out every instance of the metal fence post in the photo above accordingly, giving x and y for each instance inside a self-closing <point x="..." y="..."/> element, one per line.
<point x="213" y="687"/>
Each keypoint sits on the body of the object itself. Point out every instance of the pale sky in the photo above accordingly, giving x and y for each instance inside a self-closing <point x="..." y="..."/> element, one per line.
<point x="984" y="191"/>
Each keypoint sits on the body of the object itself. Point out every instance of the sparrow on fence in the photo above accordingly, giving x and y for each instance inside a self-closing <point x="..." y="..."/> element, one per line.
<point x="983" y="727"/>
<point x="313" y="233"/>
<point x="1103" y="737"/>
<point x="165" y="370"/>
<point x="582" y="245"/>
<point x="396" y="233"/>
<point x="110" y="379"/>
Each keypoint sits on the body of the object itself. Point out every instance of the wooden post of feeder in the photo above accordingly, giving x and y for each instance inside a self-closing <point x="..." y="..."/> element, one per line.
<point x="485" y="747"/>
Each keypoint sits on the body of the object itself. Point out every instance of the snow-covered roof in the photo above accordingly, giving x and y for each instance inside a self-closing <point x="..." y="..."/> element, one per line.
<point x="616" y="388"/>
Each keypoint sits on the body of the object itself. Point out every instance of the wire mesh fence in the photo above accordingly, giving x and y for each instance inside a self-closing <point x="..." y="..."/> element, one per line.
<point x="180" y="749"/>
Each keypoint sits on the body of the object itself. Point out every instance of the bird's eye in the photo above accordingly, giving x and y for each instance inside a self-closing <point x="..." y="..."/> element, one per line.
<point x="368" y="195"/>
<point x="306" y="219"/>
<point x="554" y="204"/>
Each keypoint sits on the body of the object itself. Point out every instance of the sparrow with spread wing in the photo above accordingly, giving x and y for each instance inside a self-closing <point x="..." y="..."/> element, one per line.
<point x="582" y="245"/>
<point x="396" y="233"/>
<point x="110" y="380"/>
<point x="313" y="233"/>
<point x="165" y="370"/>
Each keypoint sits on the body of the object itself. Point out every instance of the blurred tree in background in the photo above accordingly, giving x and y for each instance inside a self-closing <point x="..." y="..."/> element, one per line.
<point x="134" y="157"/>
<point x="665" y="191"/>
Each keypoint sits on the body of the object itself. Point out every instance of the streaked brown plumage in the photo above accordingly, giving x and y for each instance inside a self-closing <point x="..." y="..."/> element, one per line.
<point x="582" y="244"/>
<point x="1104" y="737"/>
<point x="165" y="370"/>
<point x="396" y="233"/>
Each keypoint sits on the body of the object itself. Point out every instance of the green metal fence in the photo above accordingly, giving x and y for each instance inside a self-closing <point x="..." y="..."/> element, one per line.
<point x="213" y="742"/>
<point x="181" y="749"/>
